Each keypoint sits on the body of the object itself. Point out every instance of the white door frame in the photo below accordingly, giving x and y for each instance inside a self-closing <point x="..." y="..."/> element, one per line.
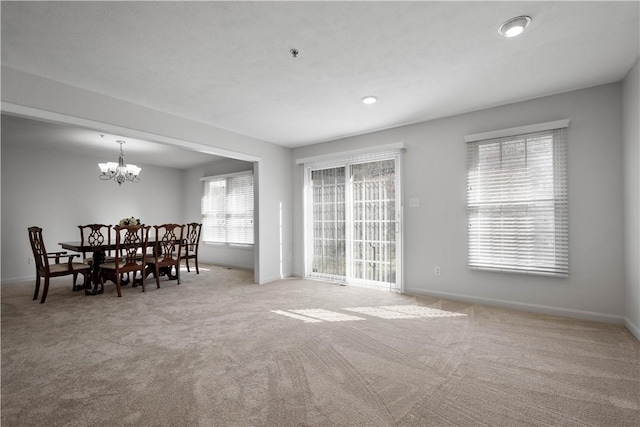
<point x="392" y="151"/>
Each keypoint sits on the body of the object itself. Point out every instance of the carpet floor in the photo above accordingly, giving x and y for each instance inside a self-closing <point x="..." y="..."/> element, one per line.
<point x="218" y="350"/>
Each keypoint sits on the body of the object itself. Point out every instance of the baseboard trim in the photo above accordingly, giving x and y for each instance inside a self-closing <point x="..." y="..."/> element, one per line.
<point x="632" y="327"/>
<point x="17" y="280"/>
<point x="537" y="308"/>
<point x="270" y="279"/>
<point x="236" y="267"/>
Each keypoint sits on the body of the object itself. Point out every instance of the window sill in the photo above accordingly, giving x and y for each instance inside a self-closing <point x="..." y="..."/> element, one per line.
<point x="230" y="246"/>
<point x="519" y="271"/>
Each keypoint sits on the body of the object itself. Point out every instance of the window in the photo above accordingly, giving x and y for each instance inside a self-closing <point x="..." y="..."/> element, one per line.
<point x="227" y="209"/>
<point x="517" y="201"/>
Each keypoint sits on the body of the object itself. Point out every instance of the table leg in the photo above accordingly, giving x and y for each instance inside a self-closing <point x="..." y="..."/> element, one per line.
<point x="168" y="271"/>
<point x="98" y="259"/>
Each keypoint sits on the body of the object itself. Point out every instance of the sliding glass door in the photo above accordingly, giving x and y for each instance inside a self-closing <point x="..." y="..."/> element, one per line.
<point x="374" y="222"/>
<point x="328" y="258"/>
<point x="353" y="221"/>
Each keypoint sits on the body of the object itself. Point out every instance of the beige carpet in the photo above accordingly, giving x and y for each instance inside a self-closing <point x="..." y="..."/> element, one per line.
<point x="220" y="351"/>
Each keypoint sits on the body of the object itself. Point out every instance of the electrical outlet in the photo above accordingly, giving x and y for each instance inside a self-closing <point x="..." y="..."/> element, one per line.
<point x="29" y="260"/>
<point x="436" y="271"/>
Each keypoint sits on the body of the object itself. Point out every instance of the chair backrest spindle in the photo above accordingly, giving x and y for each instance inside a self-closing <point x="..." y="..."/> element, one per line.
<point x="193" y="237"/>
<point x="168" y="243"/>
<point x="38" y="248"/>
<point x="131" y="243"/>
<point x="95" y="235"/>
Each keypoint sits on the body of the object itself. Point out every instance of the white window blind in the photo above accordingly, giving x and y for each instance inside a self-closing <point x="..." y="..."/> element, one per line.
<point x="227" y="209"/>
<point x="517" y="203"/>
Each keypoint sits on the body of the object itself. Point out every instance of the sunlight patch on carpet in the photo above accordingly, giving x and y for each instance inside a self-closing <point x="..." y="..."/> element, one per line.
<point x="381" y="313"/>
<point x="326" y="315"/>
<point x="296" y="316"/>
<point x="316" y="315"/>
<point x="183" y="268"/>
<point x="419" y="311"/>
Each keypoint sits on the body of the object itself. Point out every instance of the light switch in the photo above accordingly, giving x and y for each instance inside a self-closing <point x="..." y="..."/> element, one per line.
<point x="414" y="202"/>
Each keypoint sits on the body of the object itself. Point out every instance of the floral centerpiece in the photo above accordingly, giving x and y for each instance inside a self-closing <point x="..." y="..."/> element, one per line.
<point x="130" y="221"/>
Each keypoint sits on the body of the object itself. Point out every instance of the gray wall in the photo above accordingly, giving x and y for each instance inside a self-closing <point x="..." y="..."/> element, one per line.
<point x="631" y="102"/>
<point x="42" y="98"/>
<point x="58" y="191"/>
<point x="37" y="189"/>
<point x="435" y="233"/>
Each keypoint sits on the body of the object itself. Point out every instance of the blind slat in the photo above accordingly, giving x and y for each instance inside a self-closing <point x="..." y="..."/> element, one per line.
<point x="517" y="203"/>
<point x="227" y="209"/>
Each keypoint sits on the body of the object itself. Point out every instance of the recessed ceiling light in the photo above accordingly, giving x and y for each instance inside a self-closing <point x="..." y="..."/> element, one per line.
<point x="514" y="26"/>
<point x="369" y="100"/>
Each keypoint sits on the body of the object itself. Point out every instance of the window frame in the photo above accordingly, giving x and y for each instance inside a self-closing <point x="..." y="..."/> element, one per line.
<point x="227" y="214"/>
<point x="500" y="241"/>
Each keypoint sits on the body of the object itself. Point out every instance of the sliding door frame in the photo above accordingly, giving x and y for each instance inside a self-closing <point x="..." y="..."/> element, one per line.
<point x="346" y="162"/>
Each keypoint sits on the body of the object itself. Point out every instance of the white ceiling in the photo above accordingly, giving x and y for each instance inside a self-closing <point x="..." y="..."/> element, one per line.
<point x="228" y="63"/>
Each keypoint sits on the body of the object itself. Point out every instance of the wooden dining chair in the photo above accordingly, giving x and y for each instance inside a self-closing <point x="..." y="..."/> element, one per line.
<point x="167" y="251"/>
<point x="95" y="235"/>
<point x="130" y="255"/>
<point x="45" y="269"/>
<point x="192" y="241"/>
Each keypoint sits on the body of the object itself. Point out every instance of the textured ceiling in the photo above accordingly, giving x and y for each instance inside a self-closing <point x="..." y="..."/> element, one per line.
<point x="228" y="63"/>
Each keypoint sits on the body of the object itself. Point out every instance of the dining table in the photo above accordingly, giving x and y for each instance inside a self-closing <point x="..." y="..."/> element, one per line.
<point x="99" y="256"/>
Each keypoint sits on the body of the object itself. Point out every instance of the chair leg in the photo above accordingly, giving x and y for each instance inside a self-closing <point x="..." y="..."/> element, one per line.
<point x="186" y="262"/>
<point x="35" y="295"/>
<point x="156" y="273"/>
<point x="75" y="280"/>
<point x="142" y="278"/>
<point x="85" y="280"/>
<point x="118" y="285"/>
<point x="45" y="290"/>
<point x="101" y="290"/>
<point x="178" y="273"/>
<point x="197" y="270"/>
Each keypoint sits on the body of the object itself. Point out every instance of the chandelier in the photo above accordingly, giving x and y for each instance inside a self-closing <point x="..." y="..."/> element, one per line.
<point x="119" y="172"/>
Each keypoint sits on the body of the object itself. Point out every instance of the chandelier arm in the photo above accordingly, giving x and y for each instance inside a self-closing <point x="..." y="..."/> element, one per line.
<point x="119" y="172"/>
